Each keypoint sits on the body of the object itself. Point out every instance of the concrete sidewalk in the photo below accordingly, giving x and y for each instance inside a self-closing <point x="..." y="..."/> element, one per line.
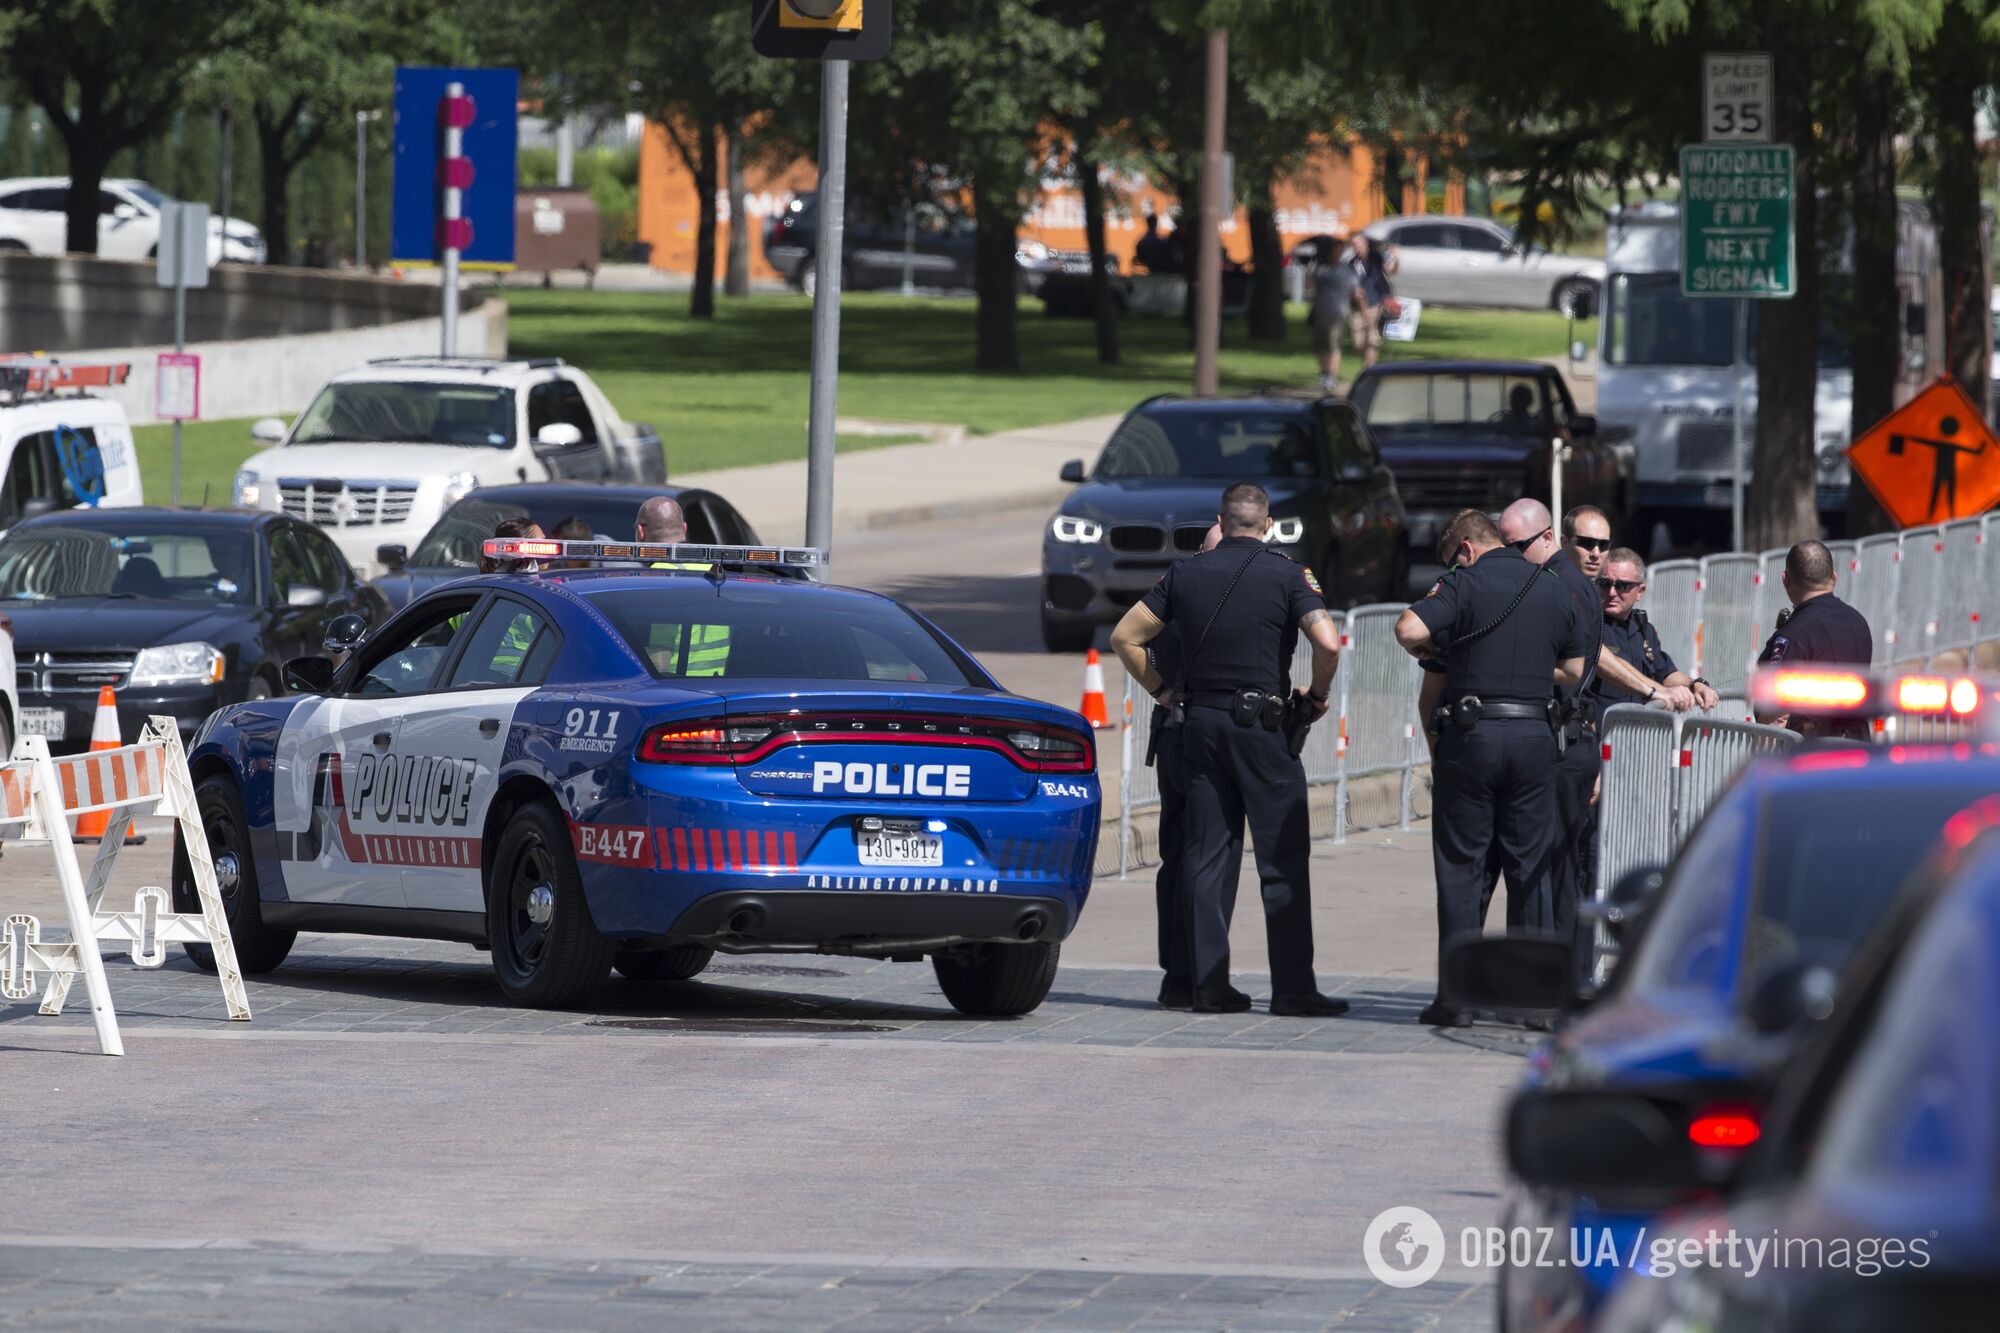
<point x="915" y="483"/>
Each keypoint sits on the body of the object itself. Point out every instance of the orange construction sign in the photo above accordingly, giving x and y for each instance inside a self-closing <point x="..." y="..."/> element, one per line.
<point x="1931" y="460"/>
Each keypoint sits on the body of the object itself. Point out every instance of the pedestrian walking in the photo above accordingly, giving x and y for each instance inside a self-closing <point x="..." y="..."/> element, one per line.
<point x="1817" y="627"/>
<point x="1340" y="301"/>
<point x="1240" y="609"/>
<point x="1506" y="634"/>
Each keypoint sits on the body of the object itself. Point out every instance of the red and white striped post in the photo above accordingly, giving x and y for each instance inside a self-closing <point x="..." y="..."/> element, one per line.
<point x="455" y="174"/>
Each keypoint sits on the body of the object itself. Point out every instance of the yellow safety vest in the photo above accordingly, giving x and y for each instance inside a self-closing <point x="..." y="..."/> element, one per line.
<point x="707" y="645"/>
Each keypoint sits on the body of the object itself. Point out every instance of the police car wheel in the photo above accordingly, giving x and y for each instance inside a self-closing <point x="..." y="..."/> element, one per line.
<point x="546" y="949"/>
<point x="996" y="980"/>
<point x="258" y="947"/>
<point x="675" y="964"/>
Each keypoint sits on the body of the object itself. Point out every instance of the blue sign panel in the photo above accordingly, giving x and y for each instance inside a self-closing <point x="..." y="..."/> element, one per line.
<point x="489" y="142"/>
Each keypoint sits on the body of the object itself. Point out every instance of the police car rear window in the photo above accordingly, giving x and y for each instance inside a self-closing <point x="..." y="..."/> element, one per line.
<point x="745" y="634"/>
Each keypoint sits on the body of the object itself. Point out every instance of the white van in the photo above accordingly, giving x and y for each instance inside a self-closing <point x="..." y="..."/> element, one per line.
<point x="60" y="451"/>
<point x="1664" y="369"/>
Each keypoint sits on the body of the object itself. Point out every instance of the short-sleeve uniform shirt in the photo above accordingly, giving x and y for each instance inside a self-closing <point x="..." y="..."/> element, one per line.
<point x="1516" y="659"/>
<point x="1250" y="643"/>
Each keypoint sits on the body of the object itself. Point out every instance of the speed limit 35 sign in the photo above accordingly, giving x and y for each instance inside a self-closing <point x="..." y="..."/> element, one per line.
<point x="1736" y="97"/>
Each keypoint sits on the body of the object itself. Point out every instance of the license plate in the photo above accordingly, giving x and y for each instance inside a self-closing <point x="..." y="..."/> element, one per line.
<point x="891" y="847"/>
<point x="48" y="723"/>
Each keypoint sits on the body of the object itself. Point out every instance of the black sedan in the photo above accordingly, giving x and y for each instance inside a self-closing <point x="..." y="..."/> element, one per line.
<point x="1159" y="482"/>
<point x="1478" y="435"/>
<point x="450" y="550"/>
<point x="179" y="611"/>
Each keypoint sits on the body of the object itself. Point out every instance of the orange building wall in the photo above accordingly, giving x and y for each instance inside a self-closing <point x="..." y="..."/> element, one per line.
<point x="1334" y="193"/>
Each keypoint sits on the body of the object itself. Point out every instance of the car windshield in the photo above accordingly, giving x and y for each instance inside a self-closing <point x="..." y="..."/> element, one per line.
<point x="1233" y="445"/>
<point x="54" y="563"/>
<point x="1458" y="403"/>
<point x="455" y="538"/>
<point x="405" y="411"/>
<point x="1649" y="323"/>
<point x="1828" y="863"/>
<point x="684" y="629"/>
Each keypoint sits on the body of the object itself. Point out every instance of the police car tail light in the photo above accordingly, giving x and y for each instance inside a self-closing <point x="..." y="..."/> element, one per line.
<point x="704" y="741"/>
<point x="1038" y="747"/>
<point x="1724" y="1127"/>
<point x="1055" y="750"/>
<point x="1817" y="691"/>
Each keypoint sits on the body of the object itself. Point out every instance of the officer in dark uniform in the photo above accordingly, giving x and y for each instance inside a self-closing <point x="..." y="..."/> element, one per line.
<point x="1630" y="637"/>
<point x="1818" y="627"/>
<point x="1169" y="899"/>
<point x="1506" y="635"/>
<point x="1240" y="609"/>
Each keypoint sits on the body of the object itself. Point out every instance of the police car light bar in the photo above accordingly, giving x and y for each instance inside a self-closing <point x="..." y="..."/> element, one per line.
<point x="1825" y="690"/>
<point x="537" y="548"/>
<point x="34" y="374"/>
<point x="1813" y="691"/>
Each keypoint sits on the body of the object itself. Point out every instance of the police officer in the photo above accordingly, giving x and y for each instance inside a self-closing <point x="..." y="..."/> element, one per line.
<point x="1630" y="637"/>
<point x="662" y="522"/>
<point x="1169" y="897"/>
<point x="1240" y="609"/>
<point x="1506" y="635"/>
<point x="1818" y="627"/>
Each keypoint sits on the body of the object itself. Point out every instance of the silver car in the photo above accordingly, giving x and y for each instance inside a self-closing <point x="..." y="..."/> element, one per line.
<point x="1458" y="261"/>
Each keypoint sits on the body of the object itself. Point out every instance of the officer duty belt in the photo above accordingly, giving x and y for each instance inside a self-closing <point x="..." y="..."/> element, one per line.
<point x="1509" y="708"/>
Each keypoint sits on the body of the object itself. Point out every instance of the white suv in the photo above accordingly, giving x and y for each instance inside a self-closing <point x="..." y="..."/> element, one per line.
<point x="384" y="449"/>
<point x="34" y="216"/>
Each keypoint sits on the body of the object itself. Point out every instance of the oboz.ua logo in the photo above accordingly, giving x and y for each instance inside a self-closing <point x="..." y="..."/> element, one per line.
<point x="893" y="779"/>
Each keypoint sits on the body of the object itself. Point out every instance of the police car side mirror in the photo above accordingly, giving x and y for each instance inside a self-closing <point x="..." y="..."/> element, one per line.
<point x="309" y="675"/>
<point x="1072" y="471"/>
<point x="345" y="634"/>
<point x="1797" y="995"/>
<point x="1624" y="908"/>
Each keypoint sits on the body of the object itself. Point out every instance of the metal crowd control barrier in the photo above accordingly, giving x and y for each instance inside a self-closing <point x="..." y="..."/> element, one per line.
<point x="1877" y="569"/>
<point x="1673" y="604"/>
<point x="1961" y="586"/>
<point x="39" y="792"/>
<point x="1712" y="752"/>
<point x="1727" y="618"/>
<point x="1916" y="621"/>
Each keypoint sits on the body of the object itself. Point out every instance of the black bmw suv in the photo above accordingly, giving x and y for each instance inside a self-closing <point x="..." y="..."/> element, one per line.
<point x="1158" y="484"/>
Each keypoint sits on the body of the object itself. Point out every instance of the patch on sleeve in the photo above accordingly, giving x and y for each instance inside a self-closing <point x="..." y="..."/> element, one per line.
<point x="1311" y="582"/>
<point x="1777" y="650"/>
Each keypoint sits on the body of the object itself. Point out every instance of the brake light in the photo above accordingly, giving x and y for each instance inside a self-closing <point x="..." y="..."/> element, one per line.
<point x="1036" y="746"/>
<point x="1723" y="1128"/>
<point x="1922" y="694"/>
<point x="1819" y="691"/>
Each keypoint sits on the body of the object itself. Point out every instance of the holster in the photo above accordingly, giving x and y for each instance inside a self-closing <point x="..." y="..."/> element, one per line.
<point x="1153" y="733"/>
<point x="1298" y="721"/>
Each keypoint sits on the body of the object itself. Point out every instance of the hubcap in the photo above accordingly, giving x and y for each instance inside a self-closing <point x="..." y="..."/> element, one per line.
<point x="541" y="904"/>
<point x="228" y="872"/>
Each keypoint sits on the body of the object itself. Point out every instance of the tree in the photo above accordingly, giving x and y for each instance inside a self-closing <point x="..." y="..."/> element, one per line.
<point x="298" y="70"/>
<point x="107" y="75"/>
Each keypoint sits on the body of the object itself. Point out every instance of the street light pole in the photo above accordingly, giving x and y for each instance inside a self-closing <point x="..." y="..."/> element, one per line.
<point x="826" y="303"/>
<point x="1208" y="258"/>
<point x="361" y="119"/>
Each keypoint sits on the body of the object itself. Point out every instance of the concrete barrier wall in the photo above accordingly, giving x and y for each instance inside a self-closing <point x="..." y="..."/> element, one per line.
<point x="267" y="337"/>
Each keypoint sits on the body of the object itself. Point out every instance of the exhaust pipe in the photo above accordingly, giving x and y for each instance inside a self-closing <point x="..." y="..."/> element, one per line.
<point x="745" y="920"/>
<point x="1030" y="927"/>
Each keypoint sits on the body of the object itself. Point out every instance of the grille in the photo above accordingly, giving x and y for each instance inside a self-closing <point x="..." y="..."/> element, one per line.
<point x="1454" y="490"/>
<point x="71" y="671"/>
<point x="332" y="503"/>
<point x="1188" y="537"/>
<point x="1703" y="446"/>
<point x="1138" y="537"/>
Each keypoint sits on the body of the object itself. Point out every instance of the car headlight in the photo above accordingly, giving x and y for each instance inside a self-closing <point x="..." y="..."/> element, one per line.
<point x="1286" y="531"/>
<point x="459" y="485"/>
<point x="1068" y="529"/>
<point x="247" y="490"/>
<point x="177" y="664"/>
<point x="1032" y="251"/>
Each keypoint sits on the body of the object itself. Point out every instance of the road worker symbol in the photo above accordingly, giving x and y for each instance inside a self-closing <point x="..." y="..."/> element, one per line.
<point x="1932" y="460"/>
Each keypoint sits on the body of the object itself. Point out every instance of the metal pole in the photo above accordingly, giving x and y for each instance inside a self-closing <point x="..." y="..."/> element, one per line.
<point x="1208" y="258"/>
<point x="910" y="252"/>
<point x="565" y="151"/>
<point x="1736" y="427"/>
<point x="826" y="302"/>
<point x="454" y="201"/>
<point x="361" y="189"/>
<point x="228" y="138"/>
<point x="180" y="328"/>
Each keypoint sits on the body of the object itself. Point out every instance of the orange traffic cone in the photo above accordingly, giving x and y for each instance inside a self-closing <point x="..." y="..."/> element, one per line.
<point x="91" y="824"/>
<point x="1093" y="693"/>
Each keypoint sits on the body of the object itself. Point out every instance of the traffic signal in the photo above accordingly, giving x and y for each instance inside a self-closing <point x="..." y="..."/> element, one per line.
<point x="820" y="29"/>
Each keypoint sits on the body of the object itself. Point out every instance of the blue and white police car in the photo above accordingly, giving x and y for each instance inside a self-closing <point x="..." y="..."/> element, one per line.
<point x="596" y="766"/>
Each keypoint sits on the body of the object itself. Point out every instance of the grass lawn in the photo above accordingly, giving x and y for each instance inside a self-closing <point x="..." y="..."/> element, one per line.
<point x="733" y="391"/>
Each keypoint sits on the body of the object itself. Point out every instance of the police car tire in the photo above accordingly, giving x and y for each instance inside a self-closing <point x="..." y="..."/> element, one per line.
<point x="676" y="964"/>
<point x="996" y="980"/>
<point x="258" y="948"/>
<point x="575" y="961"/>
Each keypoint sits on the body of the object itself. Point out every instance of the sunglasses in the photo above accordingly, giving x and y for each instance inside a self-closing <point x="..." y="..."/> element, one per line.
<point x="1593" y="543"/>
<point x="1525" y="542"/>
<point x="1621" y="585"/>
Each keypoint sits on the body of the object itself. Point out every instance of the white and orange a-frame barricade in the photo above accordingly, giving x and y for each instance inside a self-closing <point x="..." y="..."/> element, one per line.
<point x="38" y="794"/>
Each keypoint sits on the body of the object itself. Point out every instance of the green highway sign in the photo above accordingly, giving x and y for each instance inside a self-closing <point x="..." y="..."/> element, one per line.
<point x="1736" y="220"/>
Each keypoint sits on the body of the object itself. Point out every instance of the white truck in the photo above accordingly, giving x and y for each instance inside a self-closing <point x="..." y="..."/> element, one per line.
<point x="384" y="449"/>
<point x="1664" y="369"/>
